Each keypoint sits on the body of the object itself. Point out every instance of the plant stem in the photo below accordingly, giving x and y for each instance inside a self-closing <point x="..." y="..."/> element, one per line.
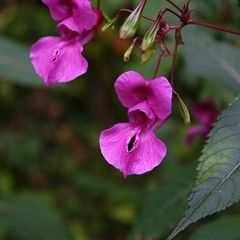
<point x="175" y="5"/>
<point x="219" y="28"/>
<point x="173" y="12"/>
<point x="158" y="64"/>
<point x="98" y="4"/>
<point x="130" y="11"/>
<point x="174" y="61"/>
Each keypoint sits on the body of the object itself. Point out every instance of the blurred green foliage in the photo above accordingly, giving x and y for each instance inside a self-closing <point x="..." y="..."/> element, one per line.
<point x="54" y="183"/>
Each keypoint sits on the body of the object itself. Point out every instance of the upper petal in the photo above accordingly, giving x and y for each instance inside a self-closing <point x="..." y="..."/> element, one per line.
<point x="77" y="15"/>
<point x="59" y="9"/>
<point x="131" y="88"/>
<point x="160" y="97"/>
<point x="57" y="60"/>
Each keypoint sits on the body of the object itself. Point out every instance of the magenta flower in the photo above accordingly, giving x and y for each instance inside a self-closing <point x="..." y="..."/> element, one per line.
<point x="59" y="59"/>
<point x="206" y="114"/>
<point x="132" y="147"/>
<point x="77" y="15"/>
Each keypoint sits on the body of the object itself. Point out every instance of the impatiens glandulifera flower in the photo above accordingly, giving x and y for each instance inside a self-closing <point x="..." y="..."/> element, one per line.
<point x="59" y="59"/>
<point x="77" y="15"/>
<point x="206" y="114"/>
<point x="132" y="147"/>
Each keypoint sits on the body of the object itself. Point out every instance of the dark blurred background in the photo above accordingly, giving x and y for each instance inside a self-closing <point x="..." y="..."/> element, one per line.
<point x="54" y="183"/>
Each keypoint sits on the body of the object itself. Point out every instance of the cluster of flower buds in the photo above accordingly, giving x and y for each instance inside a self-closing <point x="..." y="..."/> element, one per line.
<point x="131" y="147"/>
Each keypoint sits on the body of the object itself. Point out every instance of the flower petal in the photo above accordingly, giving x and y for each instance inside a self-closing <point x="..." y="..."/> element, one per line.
<point x="205" y="112"/>
<point x="131" y="88"/>
<point x="114" y="141"/>
<point x="145" y="153"/>
<point x="57" y="60"/>
<point x="141" y="113"/>
<point x="59" y="9"/>
<point x="68" y="31"/>
<point x="77" y="15"/>
<point x="194" y="131"/>
<point x="148" y="154"/>
<point x="160" y="99"/>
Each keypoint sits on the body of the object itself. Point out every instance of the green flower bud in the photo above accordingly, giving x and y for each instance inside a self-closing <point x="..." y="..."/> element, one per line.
<point x="109" y="24"/>
<point x="148" y="54"/>
<point x="128" y="53"/>
<point x="184" y="110"/>
<point x="130" y="25"/>
<point x="150" y="35"/>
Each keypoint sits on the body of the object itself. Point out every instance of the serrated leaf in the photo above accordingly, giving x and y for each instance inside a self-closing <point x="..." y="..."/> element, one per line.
<point x="217" y="185"/>
<point x="213" y="60"/>
<point x="15" y="65"/>
<point x="225" y="228"/>
<point x="27" y="219"/>
<point x="159" y="211"/>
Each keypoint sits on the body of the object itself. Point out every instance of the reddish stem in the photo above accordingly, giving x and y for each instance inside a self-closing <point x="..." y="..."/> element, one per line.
<point x="98" y="4"/>
<point x="171" y="11"/>
<point x="174" y="61"/>
<point x="130" y="11"/>
<point x="158" y="64"/>
<point x="213" y="27"/>
<point x="175" y="5"/>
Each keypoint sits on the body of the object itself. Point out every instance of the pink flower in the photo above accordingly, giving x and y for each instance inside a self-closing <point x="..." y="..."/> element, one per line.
<point x="77" y="15"/>
<point x="132" y="147"/>
<point x="206" y="114"/>
<point x="59" y="59"/>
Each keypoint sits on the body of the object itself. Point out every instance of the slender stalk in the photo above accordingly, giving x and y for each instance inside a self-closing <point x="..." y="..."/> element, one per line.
<point x="176" y="93"/>
<point x="219" y="28"/>
<point x="173" y="12"/>
<point x="130" y="11"/>
<point x="174" y="61"/>
<point x="98" y="4"/>
<point x="175" y="5"/>
<point x="158" y="64"/>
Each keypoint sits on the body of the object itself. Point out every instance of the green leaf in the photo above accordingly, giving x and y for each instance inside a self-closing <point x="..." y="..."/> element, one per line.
<point x="26" y="219"/>
<point x="213" y="60"/>
<point x="217" y="185"/>
<point x="15" y="64"/>
<point x="225" y="228"/>
<point x="160" y="211"/>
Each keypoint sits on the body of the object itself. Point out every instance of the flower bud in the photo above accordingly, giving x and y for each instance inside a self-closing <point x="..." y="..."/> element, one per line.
<point x="150" y="35"/>
<point x="184" y="110"/>
<point x="109" y="24"/>
<point x="147" y="54"/>
<point x="128" y="53"/>
<point x="130" y="25"/>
